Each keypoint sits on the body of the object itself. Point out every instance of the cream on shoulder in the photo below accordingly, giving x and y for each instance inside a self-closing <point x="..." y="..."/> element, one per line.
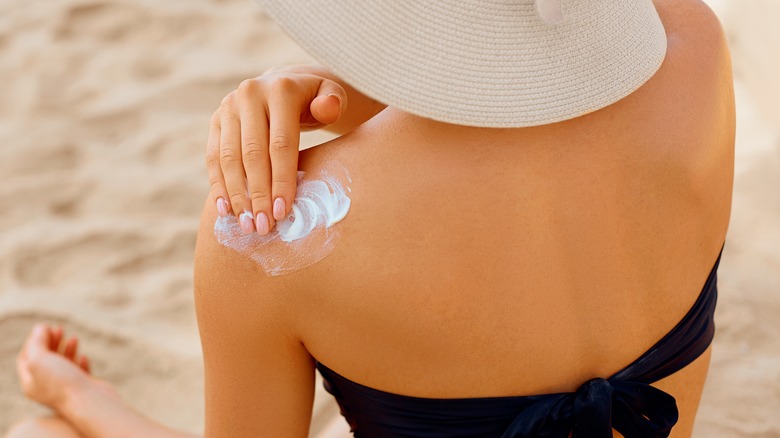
<point x="304" y="237"/>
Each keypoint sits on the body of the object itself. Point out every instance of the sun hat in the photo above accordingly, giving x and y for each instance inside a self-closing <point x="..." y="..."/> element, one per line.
<point x="488" y="63"/>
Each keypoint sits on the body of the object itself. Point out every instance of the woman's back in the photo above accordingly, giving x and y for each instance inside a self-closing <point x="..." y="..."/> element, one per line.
<point x="477" y="263"/>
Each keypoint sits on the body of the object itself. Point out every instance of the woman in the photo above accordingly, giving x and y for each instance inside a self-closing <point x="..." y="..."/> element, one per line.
<point x="567" y="254"/>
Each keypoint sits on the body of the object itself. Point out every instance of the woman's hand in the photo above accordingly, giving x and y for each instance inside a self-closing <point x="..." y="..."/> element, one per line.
<point x="252" y="153"/>
<point x="49" y="369"/>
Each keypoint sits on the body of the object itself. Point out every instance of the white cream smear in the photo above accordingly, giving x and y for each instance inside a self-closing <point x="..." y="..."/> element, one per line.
<point x="303" y="238"/>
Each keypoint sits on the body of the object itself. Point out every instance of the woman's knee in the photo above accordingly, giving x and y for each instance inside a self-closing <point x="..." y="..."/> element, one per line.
<point x="43" y="427"/>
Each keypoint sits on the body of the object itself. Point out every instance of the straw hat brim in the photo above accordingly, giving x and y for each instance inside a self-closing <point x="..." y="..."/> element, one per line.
<point x="482" y="63"/>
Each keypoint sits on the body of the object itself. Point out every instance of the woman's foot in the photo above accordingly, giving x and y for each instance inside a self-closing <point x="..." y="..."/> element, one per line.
<point x="52" y="373"/>
<point x="50" y="368"/>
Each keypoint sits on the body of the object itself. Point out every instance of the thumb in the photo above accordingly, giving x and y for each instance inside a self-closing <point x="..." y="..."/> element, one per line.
<point x="329" y="104"/>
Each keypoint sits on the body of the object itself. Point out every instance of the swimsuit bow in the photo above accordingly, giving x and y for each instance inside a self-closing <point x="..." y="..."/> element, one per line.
<point x="634" y="409"/>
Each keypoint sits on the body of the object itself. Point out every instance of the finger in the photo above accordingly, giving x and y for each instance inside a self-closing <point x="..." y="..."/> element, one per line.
<point x="55" y="338"/>
<point x="330" y="102"/>
<point x="230" y="157"/>
<point x="219" y="194"/>
<point x="254" y="150"/>
<point x="84" y="364"/>
<point x="71" y="348"/>
<point x="284" y="140"/>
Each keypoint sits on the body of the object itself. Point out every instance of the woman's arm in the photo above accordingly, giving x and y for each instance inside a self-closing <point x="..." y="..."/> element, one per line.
<point x="259" y="378"/>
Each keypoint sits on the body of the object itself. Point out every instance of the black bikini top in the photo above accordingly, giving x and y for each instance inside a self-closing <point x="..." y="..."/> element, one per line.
<point x="625" y="401"/>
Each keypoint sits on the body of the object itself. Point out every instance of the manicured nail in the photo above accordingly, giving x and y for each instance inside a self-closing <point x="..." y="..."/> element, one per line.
<point x="262" y="224"/>
<point x="247" y="224"/>
<point x="279" y="209"/>
<point x="337" y="98"/>
<point x="222" y="207"/>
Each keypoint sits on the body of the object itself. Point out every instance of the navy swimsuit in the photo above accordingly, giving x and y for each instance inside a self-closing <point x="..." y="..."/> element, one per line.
<point x="624" y="401"/>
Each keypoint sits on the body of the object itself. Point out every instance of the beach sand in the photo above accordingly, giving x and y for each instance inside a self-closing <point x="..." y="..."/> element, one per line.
<point x="104" y="109"/>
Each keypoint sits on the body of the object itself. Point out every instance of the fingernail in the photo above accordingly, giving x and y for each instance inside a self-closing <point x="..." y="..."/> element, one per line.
<point x="222" y="207"/>
<point x="279" y="209"/>
<point x="337" y="97"/>
<point x="247" y="224"/>
<point x="262" y="223"/>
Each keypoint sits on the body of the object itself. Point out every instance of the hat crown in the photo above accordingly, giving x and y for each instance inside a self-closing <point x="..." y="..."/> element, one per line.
<point x="550" y="11"/>
<point x="497" y="63"/>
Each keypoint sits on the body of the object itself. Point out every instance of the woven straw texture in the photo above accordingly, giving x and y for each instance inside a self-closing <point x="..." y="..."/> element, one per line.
<point x="489" y="63"/>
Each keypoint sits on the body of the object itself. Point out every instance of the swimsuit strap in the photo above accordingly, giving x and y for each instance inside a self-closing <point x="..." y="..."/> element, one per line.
<point x="625" y="401"/>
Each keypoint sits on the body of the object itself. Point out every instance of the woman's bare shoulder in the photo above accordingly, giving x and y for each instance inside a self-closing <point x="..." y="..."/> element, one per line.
<point x="686" y="111"/>
<point x="688" y="14"/>
<point x="695" y="34"/>
<point x="275" y="272"/>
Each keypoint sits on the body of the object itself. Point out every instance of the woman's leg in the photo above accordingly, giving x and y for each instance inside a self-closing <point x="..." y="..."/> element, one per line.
<point x="43" y="427"/>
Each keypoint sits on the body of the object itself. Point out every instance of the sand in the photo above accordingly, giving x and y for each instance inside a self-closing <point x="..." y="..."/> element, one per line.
<point x="104" y="107"/>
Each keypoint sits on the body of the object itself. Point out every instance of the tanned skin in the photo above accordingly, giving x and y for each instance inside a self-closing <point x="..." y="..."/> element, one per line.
<point x="477" y="262"/>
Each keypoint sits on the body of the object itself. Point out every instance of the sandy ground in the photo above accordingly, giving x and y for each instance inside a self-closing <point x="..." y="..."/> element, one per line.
<point x="104" y="108"/>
